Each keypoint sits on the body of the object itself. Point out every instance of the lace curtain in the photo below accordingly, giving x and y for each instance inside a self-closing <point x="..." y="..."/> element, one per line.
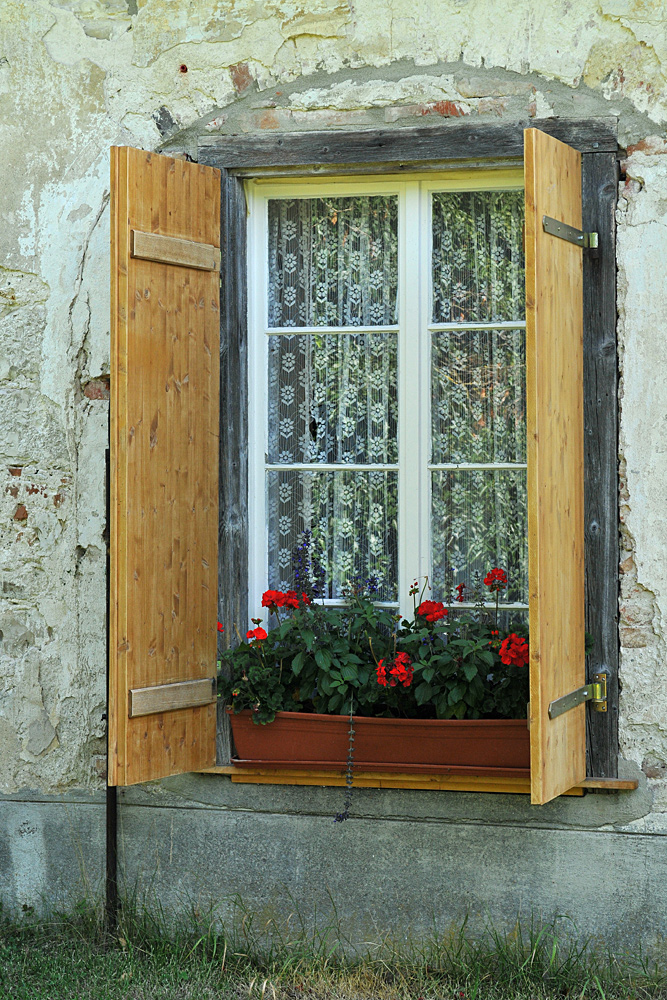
<point x="353" y="518"/>
<point x="332" y="396"/>
<point x="478" y="390"/>
<point x="478" y="265"/>
<point x="333" y="261"/>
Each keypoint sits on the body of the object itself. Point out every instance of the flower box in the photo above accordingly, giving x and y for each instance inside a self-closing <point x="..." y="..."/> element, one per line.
<point x="437" y="746"/>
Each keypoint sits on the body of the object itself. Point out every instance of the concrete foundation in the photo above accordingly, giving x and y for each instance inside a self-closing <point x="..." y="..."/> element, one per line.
<point x="406" y="863"/>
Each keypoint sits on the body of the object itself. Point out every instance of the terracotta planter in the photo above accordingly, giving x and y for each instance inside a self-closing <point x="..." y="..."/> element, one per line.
<point x="302" y="740"/>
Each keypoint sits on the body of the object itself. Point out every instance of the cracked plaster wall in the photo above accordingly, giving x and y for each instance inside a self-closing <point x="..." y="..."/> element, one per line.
<point x="80" y="75"/>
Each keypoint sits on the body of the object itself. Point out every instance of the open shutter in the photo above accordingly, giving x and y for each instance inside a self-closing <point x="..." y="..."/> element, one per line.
<point x="165" y="240"/>
<point x="554" y="363"/>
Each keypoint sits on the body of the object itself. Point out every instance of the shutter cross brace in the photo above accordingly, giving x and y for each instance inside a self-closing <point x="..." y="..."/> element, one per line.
<point x="595" y="692"/>
<point x="555" y="228"/>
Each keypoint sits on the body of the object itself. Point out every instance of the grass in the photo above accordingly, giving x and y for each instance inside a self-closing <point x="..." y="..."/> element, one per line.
<point x="72" y="956"/>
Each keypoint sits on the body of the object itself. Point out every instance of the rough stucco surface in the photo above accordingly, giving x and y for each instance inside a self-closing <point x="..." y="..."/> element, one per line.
<point x="642" y="292"/>
<point x="80" y="75"/>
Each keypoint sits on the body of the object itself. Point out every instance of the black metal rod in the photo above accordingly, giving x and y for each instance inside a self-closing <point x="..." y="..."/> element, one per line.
<point x="111" y="900"/>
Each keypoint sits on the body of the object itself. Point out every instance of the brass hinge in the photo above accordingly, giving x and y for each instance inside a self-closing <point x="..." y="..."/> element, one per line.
<point x="595" y="692"/>
<point x="555" y="228"/>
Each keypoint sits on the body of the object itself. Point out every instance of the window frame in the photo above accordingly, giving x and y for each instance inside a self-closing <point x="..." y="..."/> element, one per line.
<point x="414" y="192"/>
<point x="436" y="148"/>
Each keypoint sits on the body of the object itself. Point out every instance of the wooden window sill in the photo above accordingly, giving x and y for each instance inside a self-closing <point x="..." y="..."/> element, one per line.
<point x="432" y="782"/>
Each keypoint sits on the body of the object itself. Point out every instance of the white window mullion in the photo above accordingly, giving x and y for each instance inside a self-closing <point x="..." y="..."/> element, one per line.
<point x="426" y="318"/>
<point x="413" y="527"/>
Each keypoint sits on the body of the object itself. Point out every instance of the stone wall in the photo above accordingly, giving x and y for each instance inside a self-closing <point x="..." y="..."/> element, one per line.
<point x="80" y="75"/>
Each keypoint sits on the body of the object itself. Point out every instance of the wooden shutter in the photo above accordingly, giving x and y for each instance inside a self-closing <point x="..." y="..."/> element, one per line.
<point x="165" y="240"/>
<point x="554" y="362"/>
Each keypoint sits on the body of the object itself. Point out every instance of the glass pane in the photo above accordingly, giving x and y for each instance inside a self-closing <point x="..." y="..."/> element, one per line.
<point x="480" y="520"/>
<point x="478" y="411"/>
<point x="332" y="398"/>
<point x="353" y="520"/>
<point x="333" y="261"/>
<point x="478" y="263"/>
<point x="507" y="620"/>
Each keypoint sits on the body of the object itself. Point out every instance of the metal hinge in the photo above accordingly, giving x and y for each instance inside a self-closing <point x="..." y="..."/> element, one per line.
<point x="569" y="233"/>
<point x="595" y="692"/>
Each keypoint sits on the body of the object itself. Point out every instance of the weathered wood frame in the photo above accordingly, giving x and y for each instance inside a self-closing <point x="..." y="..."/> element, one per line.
<point x="394" y="151"/>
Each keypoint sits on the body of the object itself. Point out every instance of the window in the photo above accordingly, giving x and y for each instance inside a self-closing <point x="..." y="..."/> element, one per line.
<point x="387" y="366"/>
<point x="167" y="302"/>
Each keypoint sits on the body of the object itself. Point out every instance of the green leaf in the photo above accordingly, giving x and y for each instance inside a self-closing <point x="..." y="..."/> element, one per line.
<point x="442" y="707"/>
<point x="470" y="670"/>
<point x="308" y="638"/>
<point x="284" y="628"/>
<point x="323" y="659"/>
<point x="455" y="695"/>
<point x="422" y="693"/>
<point x="298" y="662"/>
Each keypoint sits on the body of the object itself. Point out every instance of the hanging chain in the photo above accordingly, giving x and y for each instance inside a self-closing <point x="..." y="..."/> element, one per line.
<point x="345" y="814"/>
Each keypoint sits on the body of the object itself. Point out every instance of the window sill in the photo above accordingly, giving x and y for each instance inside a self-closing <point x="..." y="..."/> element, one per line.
<point x="433" y="782"/>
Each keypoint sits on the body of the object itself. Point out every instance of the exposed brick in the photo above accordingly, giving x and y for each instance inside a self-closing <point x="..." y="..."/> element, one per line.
<point x="216" y="123"/>
<point x="446" y="109"/>
<point x="241" y="76"/>
<point x="654" y="768"/>
<point x="288" y="119"/>
<point x="636" y="638"/>
<point x="627" y="565"/>
<point x="652" y="144"/>
<point x="100" y="767"/>
<point x="97" y="388"/>
<point x="12" y="490"/>
<point x="15" y="470"/>
<point x="492" y="105"/>
<point x="21" y="514"/>
<point x="269" y="120"/>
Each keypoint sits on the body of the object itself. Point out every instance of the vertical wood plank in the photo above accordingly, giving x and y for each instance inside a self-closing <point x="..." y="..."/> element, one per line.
<point x="164" y="448"/>
<point x="554" y="369"/>
<point x="233" y="537"/>
<point x="599" y="194"/>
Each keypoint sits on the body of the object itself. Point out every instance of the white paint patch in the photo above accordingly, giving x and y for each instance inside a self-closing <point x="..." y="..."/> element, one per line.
<point x="28" y="221"/>
<point x="349" y="95"/>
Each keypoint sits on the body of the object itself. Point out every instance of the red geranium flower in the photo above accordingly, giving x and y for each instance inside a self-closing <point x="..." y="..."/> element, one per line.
<point x="278" y="599"/>
<point x="393" y="672"/>
<point x="220" y="628"/>
<point x="460" y="587"/>
<point x="514" y="651"/>
<point x="432" y="611"/>
<point x="257" y="633"/>
<point x="496" y="579"/>
<point x="273" y="599"/>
